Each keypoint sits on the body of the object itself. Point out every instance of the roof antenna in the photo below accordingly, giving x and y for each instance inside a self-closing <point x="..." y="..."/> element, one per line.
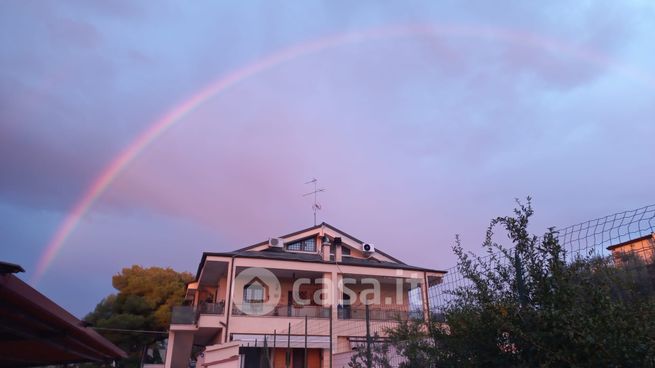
<point x="316" y="206"/>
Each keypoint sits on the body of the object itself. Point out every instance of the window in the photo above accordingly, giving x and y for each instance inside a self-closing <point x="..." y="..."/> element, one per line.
<point x="294" y="246"/>
<point x="309" y="245"/>
<point x="253" y="293"/>
<point x="345" y="251"/>
<point x="306" y="245"/>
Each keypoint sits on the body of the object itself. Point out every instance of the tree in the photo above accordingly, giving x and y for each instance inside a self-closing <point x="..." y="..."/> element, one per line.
<point x="379" y="355"/>
<point x="532" y="304"/>
<point x="144" y="302"/>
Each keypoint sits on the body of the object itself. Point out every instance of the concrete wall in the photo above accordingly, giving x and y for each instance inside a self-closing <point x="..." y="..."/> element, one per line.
<point x="222" y="355"/>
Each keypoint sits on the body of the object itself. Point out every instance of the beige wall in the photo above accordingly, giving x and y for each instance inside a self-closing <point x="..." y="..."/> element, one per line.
<point x="222" y="355"/>
<point x="354" y="246"/>
<point x="282" y="295"/>
<point x="272" y="264"/>
<point x="388" y="293"/>
<point x="644" y="249"/>
<point x="266" y="325"/>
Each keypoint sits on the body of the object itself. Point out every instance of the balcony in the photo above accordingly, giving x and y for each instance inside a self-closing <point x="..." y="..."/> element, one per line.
<point x="377" y="314"/>
<point x="186" y="314"/>
<point x="211" y="308"/>
<point x="183" y="315"/>
<point x="309" y="311"/>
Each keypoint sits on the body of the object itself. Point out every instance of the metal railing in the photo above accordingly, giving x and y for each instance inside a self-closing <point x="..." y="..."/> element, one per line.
<point x="377" y="314"/>
<point x="211" y="308"/>
<point x="257" y="309"/>
<point x="187" y="314"/>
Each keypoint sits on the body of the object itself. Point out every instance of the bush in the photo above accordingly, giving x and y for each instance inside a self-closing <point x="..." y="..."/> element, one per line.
<point x="526" y="306"/>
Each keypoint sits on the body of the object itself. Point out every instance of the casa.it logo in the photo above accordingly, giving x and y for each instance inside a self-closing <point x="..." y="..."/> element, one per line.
<point x="261" y="291"/>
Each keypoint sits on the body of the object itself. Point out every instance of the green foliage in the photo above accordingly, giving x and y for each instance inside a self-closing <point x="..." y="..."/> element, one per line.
<point x="144" y="302"/>
<point x="414" y="342"/>
<point x="379" y="355"/>
<point x="527" y="306"/>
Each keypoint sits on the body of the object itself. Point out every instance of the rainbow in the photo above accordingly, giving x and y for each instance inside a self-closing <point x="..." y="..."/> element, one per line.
<point x="159" y="127"/>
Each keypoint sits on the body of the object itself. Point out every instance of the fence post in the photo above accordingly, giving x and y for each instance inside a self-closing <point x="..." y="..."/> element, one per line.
<point x="305" y="343"/>
<point x="331" y="307"/>
<point x="267" y="357"/>
<point x="288" y="357"/>
<point x="369" y="358"/>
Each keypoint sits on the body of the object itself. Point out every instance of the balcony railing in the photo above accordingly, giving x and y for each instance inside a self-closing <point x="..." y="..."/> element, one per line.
<point x="211" y="308"/>
<point x="256" y="309"/>
<point x="186" y="314"/>
<point x="377" y="314"/>
<point x="183" y="315"/>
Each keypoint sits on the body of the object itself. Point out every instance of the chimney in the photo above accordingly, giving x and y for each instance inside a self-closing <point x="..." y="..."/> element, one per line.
<point x="337" y="251"/>
<point x="325" y="244"/>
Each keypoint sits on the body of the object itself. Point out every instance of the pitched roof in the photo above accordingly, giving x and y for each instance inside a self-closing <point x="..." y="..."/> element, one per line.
<point x="315" y="227"/>
<point x="281" y="254"/>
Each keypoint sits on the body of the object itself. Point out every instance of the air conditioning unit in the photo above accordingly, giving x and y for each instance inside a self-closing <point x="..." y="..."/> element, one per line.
<point x="368" y="248"/>
<point x="276" y="242"/>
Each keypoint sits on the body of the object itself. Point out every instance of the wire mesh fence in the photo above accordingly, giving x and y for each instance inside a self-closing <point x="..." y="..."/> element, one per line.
<point x="616" y="237"/>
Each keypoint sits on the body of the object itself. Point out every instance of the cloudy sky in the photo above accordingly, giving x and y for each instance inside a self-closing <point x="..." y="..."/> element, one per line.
<point x="422" y="120"/>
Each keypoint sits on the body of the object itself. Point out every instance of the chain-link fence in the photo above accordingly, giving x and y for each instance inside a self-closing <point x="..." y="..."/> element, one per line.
<point x="617" y="236"/>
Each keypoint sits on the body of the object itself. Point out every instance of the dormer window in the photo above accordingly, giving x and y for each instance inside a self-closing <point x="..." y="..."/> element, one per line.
<point x="305" y="245"/>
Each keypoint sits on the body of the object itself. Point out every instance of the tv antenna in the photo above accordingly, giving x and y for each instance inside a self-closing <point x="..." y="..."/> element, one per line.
<point x="316" y="206"/>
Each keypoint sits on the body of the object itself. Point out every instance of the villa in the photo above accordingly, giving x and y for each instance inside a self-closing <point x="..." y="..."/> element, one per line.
<point x="300" y="300"/>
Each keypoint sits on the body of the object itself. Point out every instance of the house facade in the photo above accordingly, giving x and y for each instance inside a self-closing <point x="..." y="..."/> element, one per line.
<point x="300" y="300"/>
<point x="642" y="248"/>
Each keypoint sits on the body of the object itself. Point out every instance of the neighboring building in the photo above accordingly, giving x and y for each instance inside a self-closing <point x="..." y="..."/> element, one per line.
<point x="234" y="309"/>
<point x="642" y="248"/>
<point x="34" y="331"/>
